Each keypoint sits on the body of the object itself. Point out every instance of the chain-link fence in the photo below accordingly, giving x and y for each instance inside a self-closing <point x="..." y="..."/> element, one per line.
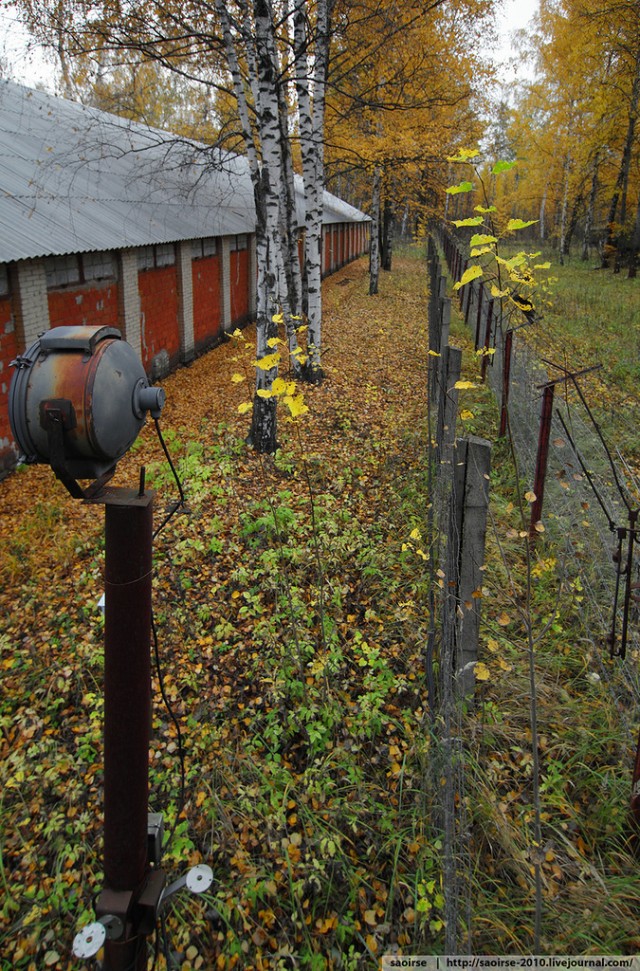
<point x="580" y="480"/>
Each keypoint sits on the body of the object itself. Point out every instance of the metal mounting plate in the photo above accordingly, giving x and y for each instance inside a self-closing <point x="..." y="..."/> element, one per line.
<point x="89" y="940"/>
<point x="199" y="878"/>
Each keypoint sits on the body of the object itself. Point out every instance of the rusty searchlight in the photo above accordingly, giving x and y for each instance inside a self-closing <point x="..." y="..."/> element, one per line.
<point x="78" y="400"/>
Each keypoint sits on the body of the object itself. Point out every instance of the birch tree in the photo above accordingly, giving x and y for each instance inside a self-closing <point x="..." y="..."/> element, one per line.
<point x="311" y="93"/>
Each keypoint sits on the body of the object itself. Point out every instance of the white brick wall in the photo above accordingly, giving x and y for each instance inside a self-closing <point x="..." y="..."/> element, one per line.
<point x="32" y="307"/>
<point x="226" y="282"/>
<point x="129" y="320"/>
<point x="185" y="300"/>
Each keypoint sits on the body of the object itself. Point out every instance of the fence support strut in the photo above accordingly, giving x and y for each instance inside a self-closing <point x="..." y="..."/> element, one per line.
<point x="487" y="342"/>
<point x="546" y="415"/>
<point x="506" y="376"/>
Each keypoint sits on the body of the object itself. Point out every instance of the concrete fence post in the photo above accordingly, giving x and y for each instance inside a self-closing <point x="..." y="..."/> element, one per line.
<point x="466" y="545"/>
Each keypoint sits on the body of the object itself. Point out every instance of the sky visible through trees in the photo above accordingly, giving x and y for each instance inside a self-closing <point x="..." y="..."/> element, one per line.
<point x="26" y="63"/>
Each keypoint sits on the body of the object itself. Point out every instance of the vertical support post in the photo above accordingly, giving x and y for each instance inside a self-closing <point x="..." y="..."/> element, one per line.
<point x="471" y="288"/>
<point x="461" y="292"/>
<point x="487" y="341"/>
<point x="479" y="315"/>
<point x="451" y="363"/>
<point x="471" y="491"/>
<point x="542" y="457"/>
<point x="127" y="718"/>
<point x="506" y="377"/>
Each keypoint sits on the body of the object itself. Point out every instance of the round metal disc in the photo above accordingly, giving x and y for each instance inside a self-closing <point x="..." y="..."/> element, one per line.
<point x="89" y="940"/>
<point x="199" y="878"/>
<point x="113" y="926"/>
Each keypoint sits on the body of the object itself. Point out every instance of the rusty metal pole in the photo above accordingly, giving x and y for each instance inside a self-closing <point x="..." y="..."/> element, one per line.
<point x="506" y="377"/>
<point x="544" y="436"/>
<point x="479" y="315"/>
<point x="127" y="717"/>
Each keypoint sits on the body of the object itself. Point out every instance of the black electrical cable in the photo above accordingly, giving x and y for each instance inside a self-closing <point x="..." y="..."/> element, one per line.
<point x="177" y="505"/>
<point x="182" y="500"/>
<point x="172" y="716"/>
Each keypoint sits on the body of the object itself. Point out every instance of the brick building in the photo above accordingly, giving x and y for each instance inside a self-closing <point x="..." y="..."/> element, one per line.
<point x="106" y="222"/>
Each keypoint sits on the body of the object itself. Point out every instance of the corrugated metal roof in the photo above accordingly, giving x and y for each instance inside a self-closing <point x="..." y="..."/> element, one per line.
<point x="336" y="210"/>
<point x="75" y="179"/>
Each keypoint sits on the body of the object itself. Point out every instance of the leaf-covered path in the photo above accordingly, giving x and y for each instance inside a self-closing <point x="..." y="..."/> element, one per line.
<point x="291" y="620"/>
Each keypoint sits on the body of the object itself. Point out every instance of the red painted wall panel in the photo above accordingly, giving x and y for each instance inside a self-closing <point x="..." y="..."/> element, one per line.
<point x="8" y="351"/>
<point x="239" y="285"/>
<point x="207" y="299"/>
<point x="93" y="306"/>
<point x="159" y="313"/>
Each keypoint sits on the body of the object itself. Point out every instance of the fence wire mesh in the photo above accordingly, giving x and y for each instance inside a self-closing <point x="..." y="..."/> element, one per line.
<point x="587" y="499"/>
<point x="588" y="515"/>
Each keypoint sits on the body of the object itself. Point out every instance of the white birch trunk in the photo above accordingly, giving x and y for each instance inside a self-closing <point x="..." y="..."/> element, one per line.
<point x="263" y="427"/>
<point x="543" y="210"/>
<point x="311" y="109"/>
<point x="374" y="251"/>
<point x="564" y="210"/>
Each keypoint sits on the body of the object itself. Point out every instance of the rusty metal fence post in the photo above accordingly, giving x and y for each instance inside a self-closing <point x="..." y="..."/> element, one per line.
<point x="542" y="456"/>
<point x="506" y="378"/>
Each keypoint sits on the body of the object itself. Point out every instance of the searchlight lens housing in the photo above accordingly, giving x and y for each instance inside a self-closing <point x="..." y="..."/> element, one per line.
<point x="78" y="399"/>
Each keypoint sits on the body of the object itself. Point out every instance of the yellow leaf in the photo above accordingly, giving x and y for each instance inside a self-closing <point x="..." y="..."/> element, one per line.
<point x="469" y="221"/>
<point x="326" y="924"/>
<point x="530" y="496"/>
<point x="370" y="918"/>
<point x="496" y="293"/>
<point x="434" y="354"/>
<point x="472" y="273"/>
<point x="280" y="386"/>
<point x="481" y="239"/>
<point x="482" y="672"/>
<point x="245" y="407"/>
<point x="296" y="405"/>
<point x="268" y="361"/>
<point x="278" y="318"/>
<point x="514" y="224"/>
<point x="414" y="534"/>
<point x="463" y="385"/>
<point x="464" y="155"/>
<point x="263" y="393"/>
<point x="273" y="342"/>
<point x="237" y="378"/>
<point x="542" y="266"/>
<point x="466" y="415"/>
<point x="371" y="943"/>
